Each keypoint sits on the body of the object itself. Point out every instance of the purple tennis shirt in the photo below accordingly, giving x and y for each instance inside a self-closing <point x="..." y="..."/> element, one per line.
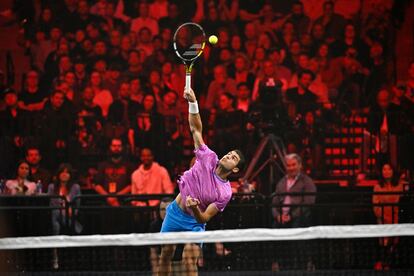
<point x="202" y="183"/>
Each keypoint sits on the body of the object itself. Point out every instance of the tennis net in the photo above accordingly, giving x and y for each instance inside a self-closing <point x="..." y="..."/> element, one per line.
<point x="323" y="250"/>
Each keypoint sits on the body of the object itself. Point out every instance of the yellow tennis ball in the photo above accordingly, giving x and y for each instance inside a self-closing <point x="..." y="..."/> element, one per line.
<point x="213" y="39"/>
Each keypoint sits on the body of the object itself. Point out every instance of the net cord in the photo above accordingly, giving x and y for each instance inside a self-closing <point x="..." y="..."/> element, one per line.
<point x="237" y="235"/>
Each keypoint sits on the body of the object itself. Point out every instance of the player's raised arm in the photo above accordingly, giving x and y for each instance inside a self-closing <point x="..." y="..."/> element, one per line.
<point x="194" y="118"/>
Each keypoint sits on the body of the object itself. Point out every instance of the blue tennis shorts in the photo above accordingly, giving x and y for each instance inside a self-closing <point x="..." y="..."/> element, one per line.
<point x="176" y="220"/>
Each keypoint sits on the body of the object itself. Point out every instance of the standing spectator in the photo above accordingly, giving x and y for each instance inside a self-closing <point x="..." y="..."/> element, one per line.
<point x="387" y="214"/>
<point x="378" y="76"/>
<point x="113" y="177"/>
<point x="150" y="178"/>
<point x="21" y="185"/>
<point x="295" y="181"/>
<point x="14" y="127"/>
<point x="38" y="173"/>
<point x="286" y="216"/>
<point x="57" y="126"/>
<point x="384" y="123"/>
<point x="64" y="185"/>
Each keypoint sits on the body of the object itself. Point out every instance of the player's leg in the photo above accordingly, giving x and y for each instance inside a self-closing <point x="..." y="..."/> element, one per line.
<point x="191" y="254"/>
<point x="167" y="252"/>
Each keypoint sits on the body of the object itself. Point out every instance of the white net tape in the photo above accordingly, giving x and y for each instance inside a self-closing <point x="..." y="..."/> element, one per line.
<point x="237" y="235"/>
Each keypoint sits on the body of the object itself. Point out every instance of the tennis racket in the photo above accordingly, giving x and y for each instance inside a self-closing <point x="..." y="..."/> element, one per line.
<point x="189" y="42"/>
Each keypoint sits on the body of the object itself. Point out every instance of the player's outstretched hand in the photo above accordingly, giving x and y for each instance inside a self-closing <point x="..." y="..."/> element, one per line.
<point x="189" y="95"/>
<point x="191" y="202"/>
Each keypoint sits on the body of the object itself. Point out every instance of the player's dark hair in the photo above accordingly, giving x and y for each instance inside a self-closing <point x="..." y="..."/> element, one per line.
<point x="242" y="161"/>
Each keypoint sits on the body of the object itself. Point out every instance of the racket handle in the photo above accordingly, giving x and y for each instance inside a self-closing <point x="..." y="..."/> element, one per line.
<point x="187" y="80"/>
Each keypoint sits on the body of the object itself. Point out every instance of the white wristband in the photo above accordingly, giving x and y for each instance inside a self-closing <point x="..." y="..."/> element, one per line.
<point x="193" y="108"/>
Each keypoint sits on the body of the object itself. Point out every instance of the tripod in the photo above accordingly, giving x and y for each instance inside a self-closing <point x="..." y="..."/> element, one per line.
<point x="275" y="160"/>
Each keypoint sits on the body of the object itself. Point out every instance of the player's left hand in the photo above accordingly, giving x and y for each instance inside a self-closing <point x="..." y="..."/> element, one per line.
<point x="191" y="202"/>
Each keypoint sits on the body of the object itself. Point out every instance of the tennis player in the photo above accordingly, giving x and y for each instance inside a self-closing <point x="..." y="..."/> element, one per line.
<point x="204" y="191"/>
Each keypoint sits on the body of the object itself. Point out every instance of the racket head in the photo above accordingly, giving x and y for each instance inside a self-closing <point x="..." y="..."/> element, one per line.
<point x="189" y="42"/>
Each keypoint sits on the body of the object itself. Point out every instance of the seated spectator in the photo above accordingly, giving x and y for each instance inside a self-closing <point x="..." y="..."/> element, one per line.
<point x="144" y="20"/>
<point x="301" y="98"/>
<point x="37" y="172"/>
<point x="221" y="84"/>
<point x="228" y="125"/>
<point x="21" y="185"/>
<point x="32" y="98"/>
<point x="243" y="99"/>
<point x="150" y="178"/>
<point x="102" y="97"/>
<point x="113" y="177"/>
<point x="333" y="23"/>
<point x="384" y="214"/>
<point x="147" y="128"/>
<point x="300" y="21"/>
<point x="64" y="185"/>
<point x="239" y="71"/>
<point x="266" y="78"/>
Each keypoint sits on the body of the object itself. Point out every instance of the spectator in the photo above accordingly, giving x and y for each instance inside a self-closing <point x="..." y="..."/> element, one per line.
<point x="32" y="98"/>
<point x="385" y="211"/>
<point x="159" y="9"/>
<point x="332" y="22"/>
<point x="14" y="127"/>
<point x="265" y="79"/>
<point x="301" y="98"/>
<point x="137" y="92"/>
<point x="286" y="216"/>
<point x="64" y="185"/>
<point x="150" y="178"/>
<point x="299" y="19"/>
<point x="83" y="17"/>
<point x="102" y="97"/>
<point x="239" y="71"/>
<point x="113" y="177"/>
<point x="146" y="129"/>
<point x="57" y="126"/>
<point x="144" y="20"/>
<point x="21" y="185"/>
<point x="172" y="19"/>
<point x="276" y="56"/>
<point x="378" y="76"/>
<point x="173" y="121"/>
<point x="243" y="100"/>
<point x="221" y="84"/>
<point x="109" y="22"/>
<point x="228" y="125"/>
<point x="384" y="123"/>
<point x="38" y="173"/>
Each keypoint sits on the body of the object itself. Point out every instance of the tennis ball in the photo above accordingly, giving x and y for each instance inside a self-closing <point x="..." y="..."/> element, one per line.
<point x="213" y="39"/>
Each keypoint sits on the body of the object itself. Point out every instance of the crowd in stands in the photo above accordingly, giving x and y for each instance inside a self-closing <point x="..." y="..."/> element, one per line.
<point x="104" y="81"/>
